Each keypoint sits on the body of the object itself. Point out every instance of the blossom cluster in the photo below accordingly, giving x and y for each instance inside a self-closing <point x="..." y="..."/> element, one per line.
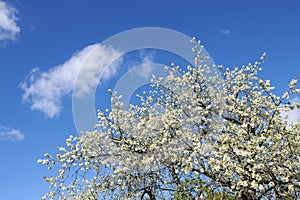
<point x="199" y="131"/>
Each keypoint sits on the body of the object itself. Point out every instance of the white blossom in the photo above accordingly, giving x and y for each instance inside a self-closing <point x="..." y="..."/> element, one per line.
<point x="195" y="134"/>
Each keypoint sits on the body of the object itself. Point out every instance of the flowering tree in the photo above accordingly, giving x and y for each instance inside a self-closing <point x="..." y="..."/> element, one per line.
<point x="196" y="134"/>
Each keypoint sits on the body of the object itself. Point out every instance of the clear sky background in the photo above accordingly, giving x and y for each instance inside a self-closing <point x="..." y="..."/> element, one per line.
<point x="36" y="36"/>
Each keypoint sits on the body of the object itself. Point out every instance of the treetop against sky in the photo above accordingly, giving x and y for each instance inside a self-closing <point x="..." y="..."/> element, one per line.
<point x="44" y="45"/>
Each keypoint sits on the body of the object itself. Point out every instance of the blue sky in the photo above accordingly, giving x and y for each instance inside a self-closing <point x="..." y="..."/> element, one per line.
<point x="37" y="36"/>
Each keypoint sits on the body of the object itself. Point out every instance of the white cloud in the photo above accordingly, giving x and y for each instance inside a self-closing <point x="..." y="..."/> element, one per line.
<point x="147" y="67"/>
<point x="225" y="31"/>
<point x="11" y="134"/>
<point x="138" y="75"/>
<point x="8" y="26"/>
<point x="293" y="116"/>
<point x="97" y="65"/>
<point x="45" y="90"/>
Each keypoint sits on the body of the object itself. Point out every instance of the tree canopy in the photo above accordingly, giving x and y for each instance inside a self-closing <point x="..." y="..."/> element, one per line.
<point x="206" y="132"/>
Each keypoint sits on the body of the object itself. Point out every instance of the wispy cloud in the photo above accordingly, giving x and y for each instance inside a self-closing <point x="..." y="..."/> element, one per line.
<point x="139" y="74"/>
<point x="293" y="116"/>
<point x="147" y="66"/>
<point x="225" y="31"/>
<point x="8" y="22"/>
<point x="10" y="134"/>
<point x="45" y="90"/>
